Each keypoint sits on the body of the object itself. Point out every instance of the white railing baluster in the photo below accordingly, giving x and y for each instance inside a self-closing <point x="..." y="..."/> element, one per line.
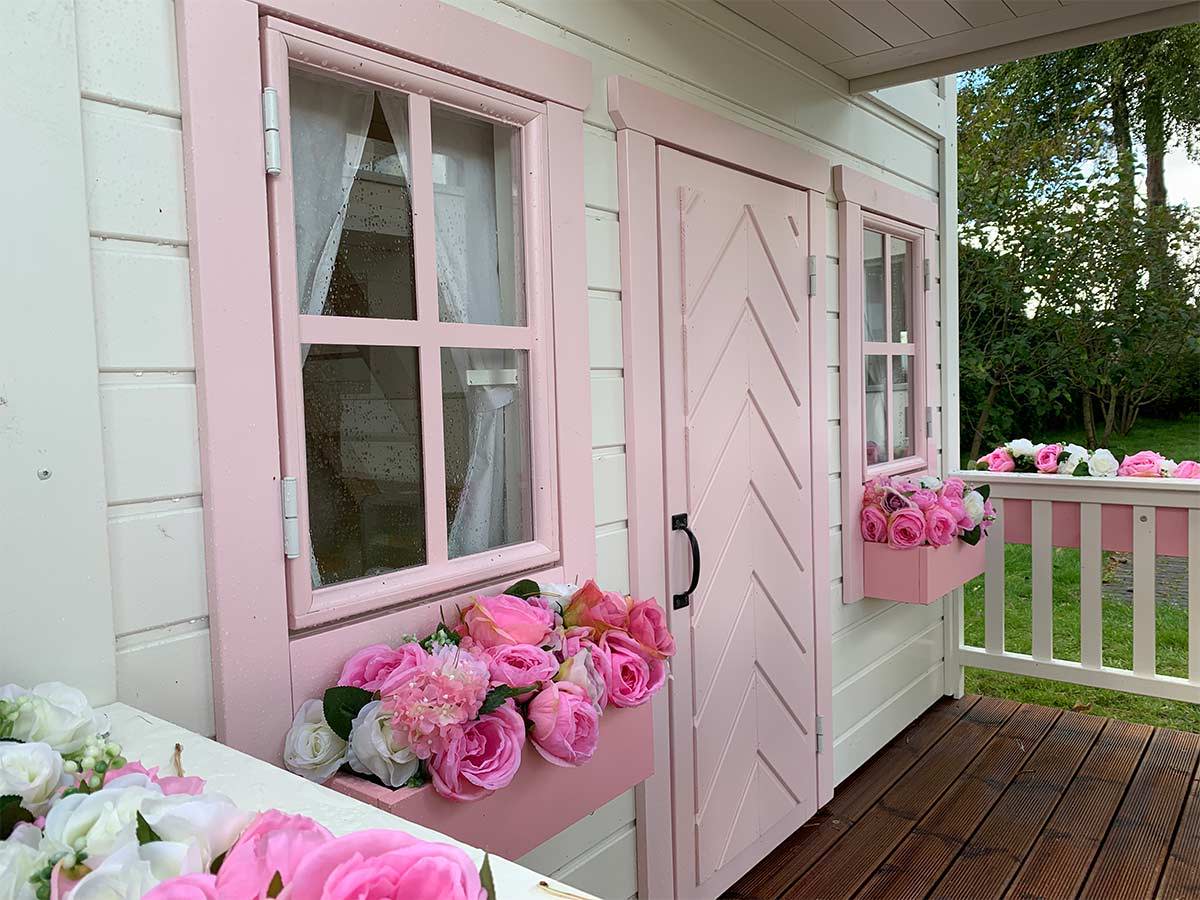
<point x="1043" y="580"/>
<point x="993" y="584"/>
<point x="1091" y="610"/>
<point x="1194" y="596"/>
<point x="1143" y="591"/>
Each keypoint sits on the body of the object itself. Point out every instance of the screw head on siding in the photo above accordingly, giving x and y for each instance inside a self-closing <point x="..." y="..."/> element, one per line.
<point x="43" y="474"/>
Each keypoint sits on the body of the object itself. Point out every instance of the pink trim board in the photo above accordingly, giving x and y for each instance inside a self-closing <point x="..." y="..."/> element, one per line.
<point x="921" y="574"/>
<point x="1116" y="526"/>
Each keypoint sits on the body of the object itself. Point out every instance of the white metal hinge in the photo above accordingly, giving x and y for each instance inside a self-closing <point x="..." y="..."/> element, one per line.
<point x="820" y="733"/>
<point x="927" y="273"/>
<point x="812" y="276"/>
<point x="290" y="502"/>
<point x="929" y="421"/>
<point x="270" y="106"/>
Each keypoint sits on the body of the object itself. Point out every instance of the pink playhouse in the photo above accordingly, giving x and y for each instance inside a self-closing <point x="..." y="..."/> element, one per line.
<point x="363" y="309"/>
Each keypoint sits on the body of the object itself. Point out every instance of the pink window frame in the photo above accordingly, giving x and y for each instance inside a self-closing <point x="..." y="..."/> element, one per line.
<point x="866" y="202"/>
<point x="256" y="653"/>
<point x="287" y="45"/>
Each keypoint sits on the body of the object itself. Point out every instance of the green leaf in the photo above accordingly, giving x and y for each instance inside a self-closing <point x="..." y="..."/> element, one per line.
<point x="441" y="636"/>
<point x="419" y="777"/>
<point x="486" y="879"/>
<point x="985" y="490"/>
<point x="275" y="888"/>
<point x="497" y="696"/>
<point x="215" y="868"/>
<point x="973" y="536"/>
<point x="1080" y="470"/>
<point x="145" y="834"/>
<point x="12" y="813"/>
<point x="341" y="705"/>
<point x="525" y="588"/>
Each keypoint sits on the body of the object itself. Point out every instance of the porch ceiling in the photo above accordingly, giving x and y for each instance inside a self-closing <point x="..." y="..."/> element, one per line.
<point x="880" y="43"/>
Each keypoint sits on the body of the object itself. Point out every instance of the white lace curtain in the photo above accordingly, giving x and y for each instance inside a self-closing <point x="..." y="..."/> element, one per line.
<point x="329" y="123"/>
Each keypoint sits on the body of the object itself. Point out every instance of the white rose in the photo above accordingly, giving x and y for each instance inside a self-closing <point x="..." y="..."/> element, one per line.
<point x="1168" y="467"/>
<point x="375" y="750"/>
<point x="1021" y="447"/>
<point x="20" y="860"/>
<point x="973" y="504"/>
<point x="33" y="772"/>
<point x="557" y="590"/>
<point x="930" y="482"/>
<point x="1074" y="456"/>
<point x="135" y="870"/>
<point x="1103" y="464"/>
<point x="311" y="748"/>
<point x="581" y="669"/>
<point x="55" y="714"/>
<point x="210" y="822"/>
<point x="98" y="824"/>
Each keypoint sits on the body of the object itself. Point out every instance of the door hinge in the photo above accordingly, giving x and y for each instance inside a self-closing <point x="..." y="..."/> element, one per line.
<point x="812" y="276"/>
<point x="290" y="501"/>
<point x="270" y="107"/>
<point x="927" y="273"/>
<point x="929" y="421"/>
<point x="820" y="733"/>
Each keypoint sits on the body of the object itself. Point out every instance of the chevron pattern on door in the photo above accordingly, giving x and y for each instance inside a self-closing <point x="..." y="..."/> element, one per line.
<point x="747" y="438"/>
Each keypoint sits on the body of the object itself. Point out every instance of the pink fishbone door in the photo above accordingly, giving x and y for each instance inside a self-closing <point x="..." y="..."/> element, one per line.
<point x="735" y="306"/>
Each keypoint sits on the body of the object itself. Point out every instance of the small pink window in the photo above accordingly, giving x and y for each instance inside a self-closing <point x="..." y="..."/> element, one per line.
<point x="413" y="312"/>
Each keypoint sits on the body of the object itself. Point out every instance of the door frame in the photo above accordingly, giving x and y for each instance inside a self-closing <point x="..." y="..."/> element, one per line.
<point x="645" y="119"/>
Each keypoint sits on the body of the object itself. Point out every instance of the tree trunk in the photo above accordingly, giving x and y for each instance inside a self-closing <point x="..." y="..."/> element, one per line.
<point x="1123" y="138"/>
<point x="1089" y="422"/>
<point x="981" y="423"/>
<point x="1110" y="417"/>
<point x="1156" y="145"/>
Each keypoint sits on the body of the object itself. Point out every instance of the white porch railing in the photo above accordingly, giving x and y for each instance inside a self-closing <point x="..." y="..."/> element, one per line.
<point x="1147" y="518"/>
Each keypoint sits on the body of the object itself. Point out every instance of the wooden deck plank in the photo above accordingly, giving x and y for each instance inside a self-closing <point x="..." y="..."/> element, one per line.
<point x="1181" y="878"/>
<point x="918" y="863"/>
<point x="1061" y="857"/>
<point x="852" y="859"/>
<point x="1133" y="854"/>
<point x="988" y="862"/>
<point x="854" y="797"/>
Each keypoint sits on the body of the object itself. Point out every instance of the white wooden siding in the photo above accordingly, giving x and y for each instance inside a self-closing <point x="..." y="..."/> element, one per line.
<point x="695" y="49"/>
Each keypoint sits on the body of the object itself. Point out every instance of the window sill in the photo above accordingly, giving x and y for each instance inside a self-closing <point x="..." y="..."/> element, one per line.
<point x="907" y="466"/>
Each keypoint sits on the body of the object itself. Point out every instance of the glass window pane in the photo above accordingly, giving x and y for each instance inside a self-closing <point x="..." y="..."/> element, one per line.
<point x="477" y="212"/>
<point x="485" y="405"/>
<point x="362" y="432"/>
<point x="874" y="310"/>
<point x="902" y="425"/>
<point x="350" y="176"/>
<point x="876" y="409"/>
<point x="901" y="253"/>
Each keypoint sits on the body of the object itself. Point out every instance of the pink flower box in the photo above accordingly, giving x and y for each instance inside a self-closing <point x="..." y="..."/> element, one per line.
<point x="542" y="800"/>
<point x="920" y="574"/>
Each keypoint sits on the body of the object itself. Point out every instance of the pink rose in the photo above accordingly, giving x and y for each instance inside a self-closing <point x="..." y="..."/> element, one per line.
<point x="520" y="665"/>
<point x="274" y="843"/>
<point x="1146" y="464"/>
<point x="906" y="529"/>
<point x="940" y="526"/>
<point x="648" y="626"/>
<point x="382" y="863"/>
<point x="371" y="666"/>
<point x="170" y="784"/>
<point x="999" y="460"/>
<point x="1189" y="468"/>
<point x="507" y="620"/>
<point x="483" y="757"/>
<point x="874" y="525"/>
<point x="597" y="609"/>
<point x="1046" y="459"/>
<point x="894" y="501"/>
<point x="953" y="505"/>
<point x="953" y="487"/>
<point x="924" y="498"/>
<point x="631" y="676"/>
<point x="200" y="886"/>
<point x="566" y="725"/>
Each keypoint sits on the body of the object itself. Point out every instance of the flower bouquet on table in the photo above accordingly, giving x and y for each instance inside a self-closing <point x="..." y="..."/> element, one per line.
<point x="925" y="511"/>
<point x="78" y="821"/>
<point x="540" y="661"/>
<point x="1023" y="455"/>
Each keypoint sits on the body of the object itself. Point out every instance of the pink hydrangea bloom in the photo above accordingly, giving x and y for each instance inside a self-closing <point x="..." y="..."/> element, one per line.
<point x="431" y="706"/>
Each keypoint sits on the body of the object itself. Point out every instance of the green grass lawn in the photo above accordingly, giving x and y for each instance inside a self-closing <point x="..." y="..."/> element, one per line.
<point x="1117" y="645"/>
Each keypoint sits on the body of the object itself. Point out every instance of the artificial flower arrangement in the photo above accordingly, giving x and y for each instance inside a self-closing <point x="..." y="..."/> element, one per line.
<point x="78" y="821"/>
<point x="540" y="662"/>
<point x="1023" y="455"/>
<point x="924" y="512"/>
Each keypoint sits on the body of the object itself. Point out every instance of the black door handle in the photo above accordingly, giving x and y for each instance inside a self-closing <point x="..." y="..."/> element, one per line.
<point x="680" y="523"/>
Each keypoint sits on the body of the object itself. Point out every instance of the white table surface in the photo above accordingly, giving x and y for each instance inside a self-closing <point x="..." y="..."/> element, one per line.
<point x="256" y="785"/>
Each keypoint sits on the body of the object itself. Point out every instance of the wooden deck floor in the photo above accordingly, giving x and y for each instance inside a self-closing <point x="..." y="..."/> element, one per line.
<point x="983" y="798"/>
